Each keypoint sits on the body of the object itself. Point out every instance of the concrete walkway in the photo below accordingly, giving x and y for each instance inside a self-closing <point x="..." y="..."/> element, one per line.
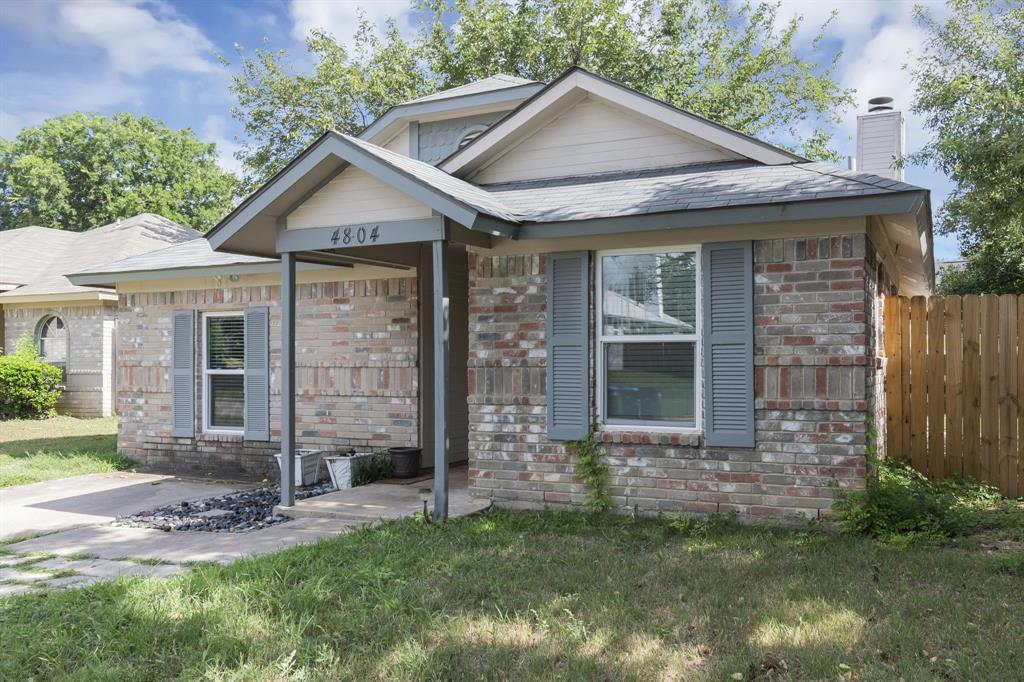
<point x="49" y="506"/>
<point x="83" y="548"/>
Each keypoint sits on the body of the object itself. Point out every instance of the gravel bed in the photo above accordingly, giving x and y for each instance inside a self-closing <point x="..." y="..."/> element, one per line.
<point x="238" y="512"/>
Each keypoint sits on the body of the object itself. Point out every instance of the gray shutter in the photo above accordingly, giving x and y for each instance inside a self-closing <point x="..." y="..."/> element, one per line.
<point x="257" y="373"/>
<point x="728" y="283"/>
<point x="568" y="381"/>
<point x="183" y="377"/>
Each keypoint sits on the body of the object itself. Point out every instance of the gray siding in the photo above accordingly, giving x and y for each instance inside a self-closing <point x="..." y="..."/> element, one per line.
<point x="439" y="139"/>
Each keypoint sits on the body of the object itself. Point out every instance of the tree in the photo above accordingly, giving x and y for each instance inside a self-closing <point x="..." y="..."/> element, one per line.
<point x="970" y="89"/>
<point x="736" y="64"/>
<point x="79" y="170"/>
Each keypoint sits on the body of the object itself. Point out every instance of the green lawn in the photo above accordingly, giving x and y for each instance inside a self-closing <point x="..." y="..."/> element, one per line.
<point x="34" y="450"/>
<point x="543" y="596"/>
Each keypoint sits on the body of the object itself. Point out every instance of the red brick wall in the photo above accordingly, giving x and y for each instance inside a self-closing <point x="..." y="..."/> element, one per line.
<point x="356" y="358"/>
<point x="812" y="305"/>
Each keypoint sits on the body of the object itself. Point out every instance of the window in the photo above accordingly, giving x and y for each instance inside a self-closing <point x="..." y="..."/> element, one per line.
<point x="52" y="342"/>
<point x="647" y="335"/>
<point x="223" y="372"/>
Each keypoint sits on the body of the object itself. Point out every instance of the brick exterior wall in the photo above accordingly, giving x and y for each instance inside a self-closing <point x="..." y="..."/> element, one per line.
<point x="814" y="303"/>
<point x="356" y="357"/>
<point x="89" y="387"/>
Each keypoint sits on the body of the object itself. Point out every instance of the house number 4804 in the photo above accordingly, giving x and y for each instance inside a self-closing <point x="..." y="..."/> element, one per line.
<point x="364" y="234"/>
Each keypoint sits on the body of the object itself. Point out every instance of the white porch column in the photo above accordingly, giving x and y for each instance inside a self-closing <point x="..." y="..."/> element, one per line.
<point x="440" y="276"/>
<point x="287" y="379"/>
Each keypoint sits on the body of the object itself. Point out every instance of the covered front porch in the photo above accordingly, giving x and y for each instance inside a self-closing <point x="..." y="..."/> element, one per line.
<point x="343" y="203"/>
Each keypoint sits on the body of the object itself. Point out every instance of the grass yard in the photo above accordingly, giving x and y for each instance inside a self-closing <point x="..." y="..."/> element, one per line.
<point x="34" y="450"/>
<point x="534" y="596"/>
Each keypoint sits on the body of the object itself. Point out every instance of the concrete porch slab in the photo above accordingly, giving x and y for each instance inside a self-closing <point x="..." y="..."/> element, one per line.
<point x="382" y="501"/>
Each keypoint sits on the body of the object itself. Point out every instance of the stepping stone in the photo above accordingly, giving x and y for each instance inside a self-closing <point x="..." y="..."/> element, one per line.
<point x="8" y="590"/>
<point x="22" y="576"/>
<point x="69" y="582"/>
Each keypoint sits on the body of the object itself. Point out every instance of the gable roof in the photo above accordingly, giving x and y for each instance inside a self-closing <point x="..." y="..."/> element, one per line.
<point x="570" y="88"/>
<point x="331" y="153"/>
<point x="498" y="81"/>
<point x="496" y="93"/>
<point x="139" y="234"/>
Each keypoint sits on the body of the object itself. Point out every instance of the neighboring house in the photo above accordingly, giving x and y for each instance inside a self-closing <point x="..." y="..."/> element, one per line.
<point x="710" y="300"/>
<point x="72" y="325"/>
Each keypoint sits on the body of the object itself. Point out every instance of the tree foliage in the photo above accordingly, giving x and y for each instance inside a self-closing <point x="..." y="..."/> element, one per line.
<point x="970" y="89"/>
<point x="736" y="64"/>
<point x="81" y="170"/>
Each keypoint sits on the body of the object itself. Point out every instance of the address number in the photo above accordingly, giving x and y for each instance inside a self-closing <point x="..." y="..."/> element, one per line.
<point x="364" y="234"/>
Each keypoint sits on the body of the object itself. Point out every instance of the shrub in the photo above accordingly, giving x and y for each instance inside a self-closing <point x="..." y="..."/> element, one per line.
<point x="29" y="387"/>
<point x="373" y="468"/>
<point x="901" y="506"/>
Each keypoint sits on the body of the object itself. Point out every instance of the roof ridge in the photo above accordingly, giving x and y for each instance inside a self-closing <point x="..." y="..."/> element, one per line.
<point x="884" y="183"/>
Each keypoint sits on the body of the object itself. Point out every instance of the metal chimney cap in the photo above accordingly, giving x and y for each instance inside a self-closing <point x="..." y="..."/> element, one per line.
<point x="879" y="104"/>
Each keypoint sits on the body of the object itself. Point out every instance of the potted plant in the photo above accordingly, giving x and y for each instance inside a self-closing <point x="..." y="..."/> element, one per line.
<point x="405" y="462"/>
<point x="343" y="466"/>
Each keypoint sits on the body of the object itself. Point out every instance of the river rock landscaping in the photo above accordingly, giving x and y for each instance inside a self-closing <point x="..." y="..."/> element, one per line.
<point x="238" y="512"/>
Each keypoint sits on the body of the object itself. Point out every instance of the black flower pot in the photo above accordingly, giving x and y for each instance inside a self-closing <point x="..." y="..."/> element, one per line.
<point x="405" y="462"/>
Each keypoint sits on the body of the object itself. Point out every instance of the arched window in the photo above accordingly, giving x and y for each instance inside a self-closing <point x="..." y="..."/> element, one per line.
<point x="471" y="134"/>
<point x="52" y="338"/>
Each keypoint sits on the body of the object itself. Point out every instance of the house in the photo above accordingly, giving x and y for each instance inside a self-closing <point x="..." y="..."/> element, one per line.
<point x="488" y="271"/>
<point x="73" y="325"/>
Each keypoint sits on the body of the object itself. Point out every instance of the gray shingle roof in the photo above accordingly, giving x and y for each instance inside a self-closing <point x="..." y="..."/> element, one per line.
<point x="692" y="187"/>
<point x="498" y="81"/>
<point x="195" y="253"/>
<point x="26" y="252"/>
<point x="139" y="234"/>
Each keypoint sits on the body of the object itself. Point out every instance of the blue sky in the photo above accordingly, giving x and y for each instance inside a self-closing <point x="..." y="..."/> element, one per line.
<point x="158" y="57"/>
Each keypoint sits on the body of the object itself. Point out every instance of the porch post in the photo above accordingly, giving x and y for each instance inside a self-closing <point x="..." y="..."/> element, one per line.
<point x="287" y="379"/>
<point x="440" y="275"/>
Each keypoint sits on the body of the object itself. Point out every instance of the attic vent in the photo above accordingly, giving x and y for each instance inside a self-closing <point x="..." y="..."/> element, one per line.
<point x="471" y="135"/>
<point x="876" y="104"/>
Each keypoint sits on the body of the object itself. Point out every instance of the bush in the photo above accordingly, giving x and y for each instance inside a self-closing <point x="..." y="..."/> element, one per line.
<point x="371" y="469"/>
<point x="29" y="387"/>
<point x="901" y="506"/>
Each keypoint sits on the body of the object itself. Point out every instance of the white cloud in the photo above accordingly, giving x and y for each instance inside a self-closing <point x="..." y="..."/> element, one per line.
<point x="215" y="129"/>
<point x="31" y="98"/>
<point x="341" y="17"/>
<point x="136" y="37"/>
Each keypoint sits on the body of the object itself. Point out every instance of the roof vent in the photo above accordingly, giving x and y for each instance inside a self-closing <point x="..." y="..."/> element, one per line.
<point x="879" y="104"/>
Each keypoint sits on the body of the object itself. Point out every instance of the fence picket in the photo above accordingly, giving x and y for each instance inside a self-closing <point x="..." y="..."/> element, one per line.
<point x="905" y="362"/>
<point x="972" y="385"/>
<point x="989" y="460"/>
<point x="936" y="382"/>
<point x="893" y="382"/>
<point x="1007" y="392"/>
<point x="954" y="387"/>
<point x="918" y="382"/>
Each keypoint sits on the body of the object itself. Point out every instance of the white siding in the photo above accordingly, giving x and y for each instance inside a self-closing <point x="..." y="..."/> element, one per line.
<point x="595" y="137"/>
<point x="399" y="143"/>
<point x="880" y="143"/>
<point x="355" y="196"/>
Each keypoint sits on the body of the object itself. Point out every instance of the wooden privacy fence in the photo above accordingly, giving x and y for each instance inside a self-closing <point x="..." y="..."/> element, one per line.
<point x="954" y="386"/>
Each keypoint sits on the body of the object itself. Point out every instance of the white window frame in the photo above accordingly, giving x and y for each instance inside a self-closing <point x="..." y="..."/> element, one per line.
<point x="207" y="373"/>
<point x="601" y="339"/>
